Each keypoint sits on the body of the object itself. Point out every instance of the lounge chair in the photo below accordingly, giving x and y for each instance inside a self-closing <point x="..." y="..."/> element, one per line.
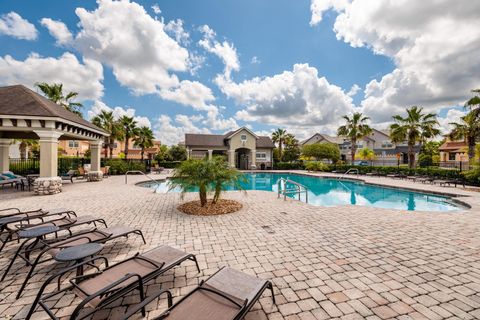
<point x="82" y="174"/>
<point x="65" y="222"/>
<point x="68" y="176"/>
<point x="51" y="248"/>
<point x="372" y="174"/>
<point x="227" y="295"/>
<point x="101" y="288"/>
<point x="9" y="178"/>
<point x="455" y="182"/>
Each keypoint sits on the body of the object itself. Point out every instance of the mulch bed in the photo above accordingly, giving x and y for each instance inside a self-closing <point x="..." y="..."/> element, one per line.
<point x="223" y="206"/>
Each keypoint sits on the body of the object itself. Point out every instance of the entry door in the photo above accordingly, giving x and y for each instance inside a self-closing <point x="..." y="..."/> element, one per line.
<point x="243" y="161"/>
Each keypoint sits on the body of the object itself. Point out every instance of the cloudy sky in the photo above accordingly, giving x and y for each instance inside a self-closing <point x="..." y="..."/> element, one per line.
<point x="210" y="66"/>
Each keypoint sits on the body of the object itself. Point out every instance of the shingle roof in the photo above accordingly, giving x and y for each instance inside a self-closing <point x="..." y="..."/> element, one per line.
<point x="218" y="140"/>
<point x="18" y="100"/>
<point x="452" y="145"/>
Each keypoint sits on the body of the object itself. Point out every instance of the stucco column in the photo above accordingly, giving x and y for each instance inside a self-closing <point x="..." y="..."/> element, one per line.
<point x="231" y="158"/>
<point x="253" y="157"/>
<point x="49" y="182"/>
<point x="210" y="154"/>
<point x="4" y="157"/>
<point x="95" y="173"/>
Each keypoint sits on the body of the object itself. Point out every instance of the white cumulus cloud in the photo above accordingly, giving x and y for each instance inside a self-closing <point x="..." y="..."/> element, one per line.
<point x="58" y="30"/>
<point x="12" y="24"/>
<point x="172" y="132"/>
<point x="84" y="78"/>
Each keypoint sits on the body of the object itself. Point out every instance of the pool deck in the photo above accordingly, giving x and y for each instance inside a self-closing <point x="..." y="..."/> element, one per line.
<point x="347" y="262"/>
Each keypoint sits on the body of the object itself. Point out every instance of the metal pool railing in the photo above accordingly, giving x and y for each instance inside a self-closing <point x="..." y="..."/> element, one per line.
<point x="297" y="189"/>
<point x="157" y="183"/>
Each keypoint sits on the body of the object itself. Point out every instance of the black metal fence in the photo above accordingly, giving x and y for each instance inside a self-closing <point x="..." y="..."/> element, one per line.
<point x="118" y="166"/>
<point x="459" y="165"/>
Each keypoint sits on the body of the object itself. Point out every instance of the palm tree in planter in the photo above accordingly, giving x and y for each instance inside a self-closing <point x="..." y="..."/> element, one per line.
<point x="54" y="92"/>
<point x="278" y="136"/>
<point x="106" y="121"/>
<point x="129" y="130"/>
<point x="354" y="129"/>
<point x="415" y="127"/>
<point x="144" y="139"/>
<point x="206" y="176"/>
<point x="469" y="130"/>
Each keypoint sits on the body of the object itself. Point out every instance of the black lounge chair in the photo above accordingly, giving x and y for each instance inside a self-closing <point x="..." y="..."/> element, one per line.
<point x="52" y="248"/>
<point x="227" y="295"/>
<point x="65" y="223"/>
<point x="103" y="287"/>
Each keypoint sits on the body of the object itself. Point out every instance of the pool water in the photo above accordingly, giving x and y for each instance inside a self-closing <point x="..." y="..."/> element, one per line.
<point x="334" y="192"/>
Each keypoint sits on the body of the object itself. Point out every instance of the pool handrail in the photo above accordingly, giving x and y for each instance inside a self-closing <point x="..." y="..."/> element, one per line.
<point x="157" y="183"/>
<point x="351" y="170"/>
<point x="299" y="189"/>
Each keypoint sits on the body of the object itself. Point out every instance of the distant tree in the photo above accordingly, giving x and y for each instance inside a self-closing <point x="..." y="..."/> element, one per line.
<point x="320" y="151"/>
<point x="415" y="128"/>
<point x="54" y="92"/>
<point x="467" y="129"/>
<point x="429" y="153"/>
<point x="292" y="150"/>
<point x="129" y="130"/>
<point x="25" y="145"/>
<point x="278" y="136"/>
<point x="354" y="129"/>
<point x="474" y="103"/>
<point x="143" y="139"/>
<point x="163" y="154"/>
<point x="105" y="121"/>
<point x="366" y="154"/>
<point x="177" y="153"/>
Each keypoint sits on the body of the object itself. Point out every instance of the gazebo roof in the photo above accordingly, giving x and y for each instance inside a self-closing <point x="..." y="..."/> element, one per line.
<point x="19" y="106"/>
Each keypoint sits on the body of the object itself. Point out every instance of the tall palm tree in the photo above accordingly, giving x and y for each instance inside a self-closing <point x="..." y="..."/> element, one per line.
<point x="278" y="136"/>
<point x="144" y="139"/>
<point x="129" y="130"/>
<point x="106" y="121"/>
<point x="24" y="145"/>
<point x="469" y="130"/>
<point x="474" y="103"/>
<point x="54" y="92"/>
<point x="415" y="127"/>
<point x="354" y="129"/>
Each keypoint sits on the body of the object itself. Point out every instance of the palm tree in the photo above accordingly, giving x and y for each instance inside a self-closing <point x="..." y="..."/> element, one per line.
<point x="474" y="103"/>
<point x="144" y="139"/>
<point x="355" y="128"/>
<point x="24" y="145"/>
<point x="106" y="121"/>
<point x="469" y="130"/>
<point x="415" y="127"/>
<point x="54" y="92"/>
<point x="367" y="154"/>
<point x="129" y="130"/>
<point x="278" y="136"/>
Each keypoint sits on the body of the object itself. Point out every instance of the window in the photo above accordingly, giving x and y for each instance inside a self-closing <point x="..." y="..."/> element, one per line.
<point x="73" y="144"/>
<point x="387" y="144"/>
<point x="261" y="155"/>
<point x="452" y="156"/>
<point x="243" y="137"/>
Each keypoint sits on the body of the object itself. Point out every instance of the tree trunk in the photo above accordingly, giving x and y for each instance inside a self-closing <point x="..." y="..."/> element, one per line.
<point x="110" y="146"/>
<point x="471" y="149"/>
<point x="353" y="150"/>
<point x="126" y="148"/>
<point x="23" y="150"/>
<point x="280" y="150"/>
<point x="203" y="195"/>
<point x="142" y="152"/>
<point x="411" y="156"/>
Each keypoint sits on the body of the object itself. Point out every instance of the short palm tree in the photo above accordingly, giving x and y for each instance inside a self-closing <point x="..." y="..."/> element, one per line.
<point x="129" y="130"/>
<point x="106" y="121"/>
<point x="415" y="128"/>
<point x="24" y="145"/>
<point x="367" y="154"/>
<point x="144" y="139"/>
<point x="54" y="92"/>
<point x="474" y="103"/>
<point x="278" y="136"/>
<point x="469" y="130"/>
<point x="354" y="129"/>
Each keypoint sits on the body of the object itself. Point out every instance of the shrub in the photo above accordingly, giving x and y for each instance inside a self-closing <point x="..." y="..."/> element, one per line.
<point x="425" y="160"/>
<point x="473" y="176"/>
<point x="169" y="164"/>
<point x="317" y="166"/>
<point x="120" y="166"/>
<point x="321" y="151"/>
<point x="289" y="166"/>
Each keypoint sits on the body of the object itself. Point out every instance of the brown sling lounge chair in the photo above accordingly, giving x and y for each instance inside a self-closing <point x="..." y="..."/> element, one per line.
<point x="227" y="295"/>
<point x="101" y="288"/>
<point x="65" y="223"/>
<point x="52" y="248"/>
<point x="16" y="219"/>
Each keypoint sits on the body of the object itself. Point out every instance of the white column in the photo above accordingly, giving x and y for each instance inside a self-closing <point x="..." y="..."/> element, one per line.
<point x="253" y="157"/>
<point x="95" y="173"/>
<point x="4" y="154"/>
<point x="231" y="158"/>
<point x="49" y="182"/>
<point x="210" y="154"/>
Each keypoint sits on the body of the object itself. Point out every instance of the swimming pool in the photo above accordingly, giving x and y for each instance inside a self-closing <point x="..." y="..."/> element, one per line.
<point x="334" y="192"/>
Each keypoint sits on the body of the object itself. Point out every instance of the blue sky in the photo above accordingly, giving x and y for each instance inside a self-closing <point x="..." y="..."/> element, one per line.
<point x="210" y="66"/>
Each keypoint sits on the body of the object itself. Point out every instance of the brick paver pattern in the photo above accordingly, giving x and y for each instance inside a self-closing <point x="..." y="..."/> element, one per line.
<point x="347" y="262"/>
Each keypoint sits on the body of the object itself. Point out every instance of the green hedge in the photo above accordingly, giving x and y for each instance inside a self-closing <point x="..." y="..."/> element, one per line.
<point x="289" y="166"/>
<point x="317" y="166"/>
<point x="119" y="166"/>
<point x="428" y="171"/>
<point x="169" y="164"/>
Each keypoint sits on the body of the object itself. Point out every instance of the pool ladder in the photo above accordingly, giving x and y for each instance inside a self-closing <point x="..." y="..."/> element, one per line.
<point x="157" y="183"/>
<point x="297" y="189"/>
<point x="351" y="170"/>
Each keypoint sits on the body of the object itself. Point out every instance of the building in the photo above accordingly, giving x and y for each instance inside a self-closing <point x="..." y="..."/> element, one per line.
<point x="453" y="151"/>
<point x="79" y="148"/>
<point x="243" y="148"/>
<point x="379" y="141"/>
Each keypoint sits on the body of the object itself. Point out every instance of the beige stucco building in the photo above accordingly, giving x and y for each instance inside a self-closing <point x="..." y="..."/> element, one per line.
<point x="243" y="148"/>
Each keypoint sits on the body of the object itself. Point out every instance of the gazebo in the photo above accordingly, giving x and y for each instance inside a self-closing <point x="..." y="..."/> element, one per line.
<point x="24" y="114"/>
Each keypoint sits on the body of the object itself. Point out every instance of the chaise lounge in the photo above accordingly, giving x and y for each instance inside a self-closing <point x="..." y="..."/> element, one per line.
<point x="101" y="288"/>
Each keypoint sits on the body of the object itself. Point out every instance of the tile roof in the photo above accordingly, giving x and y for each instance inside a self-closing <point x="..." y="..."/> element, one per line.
<point x="18" y="100"/>
<point x="218" y="140"/>
<point x="452" y="145"/>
